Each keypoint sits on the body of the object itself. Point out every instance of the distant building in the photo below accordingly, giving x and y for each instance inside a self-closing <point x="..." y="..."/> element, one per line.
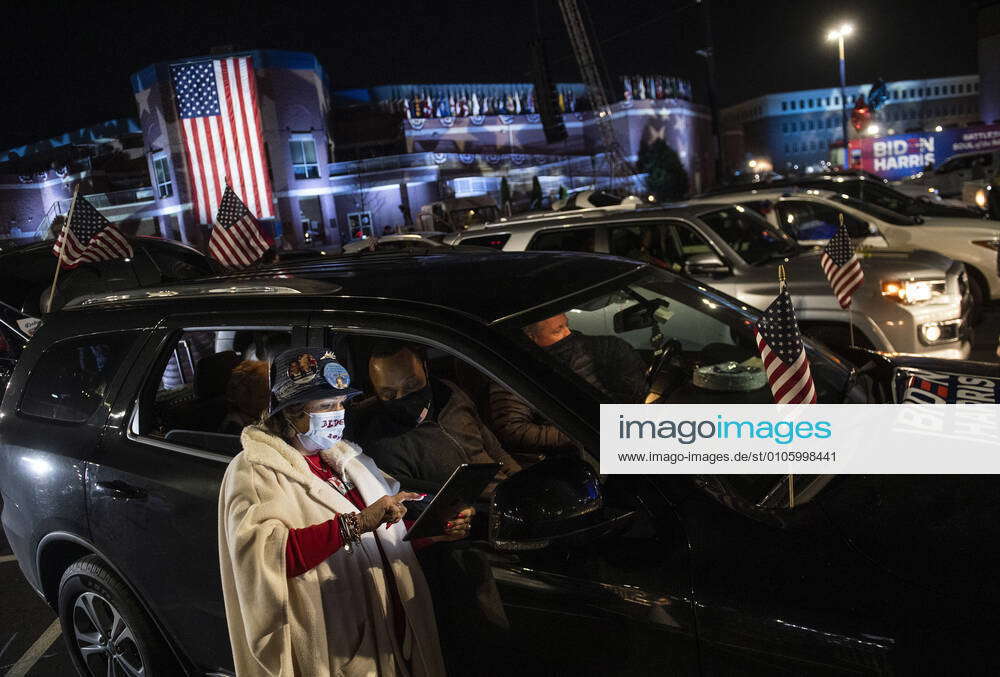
<point x="339" y="163"/>
<point x="797" y="128"/>
<point x="988" y="33"/>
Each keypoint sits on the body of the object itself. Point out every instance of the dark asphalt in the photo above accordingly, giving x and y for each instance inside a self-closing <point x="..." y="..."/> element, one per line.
<point x="24" y="617"/>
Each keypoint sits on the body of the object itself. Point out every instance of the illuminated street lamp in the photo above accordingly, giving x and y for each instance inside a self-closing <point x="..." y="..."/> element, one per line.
<point x="938" y="128"/>
<point x="839" y="34"/>
<point x="873" y="130"/>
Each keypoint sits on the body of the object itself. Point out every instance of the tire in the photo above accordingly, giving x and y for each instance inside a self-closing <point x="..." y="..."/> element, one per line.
<point x="978" y="294"/>
<point x="92" y="601"/>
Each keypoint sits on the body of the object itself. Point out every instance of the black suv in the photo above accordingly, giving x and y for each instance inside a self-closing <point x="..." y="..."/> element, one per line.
<point x="111" y="457"/>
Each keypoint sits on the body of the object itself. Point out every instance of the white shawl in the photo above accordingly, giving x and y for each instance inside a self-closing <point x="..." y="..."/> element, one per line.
<point x="334" y="619"/>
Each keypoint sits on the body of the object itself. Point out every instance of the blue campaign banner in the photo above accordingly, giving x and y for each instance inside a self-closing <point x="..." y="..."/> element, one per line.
<point x="916" y="386"/>
<point x="901" y="155"/>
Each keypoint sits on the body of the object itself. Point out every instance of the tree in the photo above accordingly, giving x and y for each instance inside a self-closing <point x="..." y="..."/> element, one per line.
<point x="666" y="177"/>
<point x="536" y="193"/>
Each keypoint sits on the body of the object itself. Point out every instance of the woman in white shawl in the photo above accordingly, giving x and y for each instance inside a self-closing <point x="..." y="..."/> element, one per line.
<point x="314" y="585"/>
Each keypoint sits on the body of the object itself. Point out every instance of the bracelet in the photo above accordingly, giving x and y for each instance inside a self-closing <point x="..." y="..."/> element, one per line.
<point x="345" y="535"/>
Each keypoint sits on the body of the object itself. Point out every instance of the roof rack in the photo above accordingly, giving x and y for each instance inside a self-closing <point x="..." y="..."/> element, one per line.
<point x="212" y="288"/>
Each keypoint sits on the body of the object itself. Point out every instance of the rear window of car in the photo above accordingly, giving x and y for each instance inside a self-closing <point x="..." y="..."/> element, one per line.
<point x="564" y="240"/>
<point x="72" y="377"/>
<point x="496" y="241"/>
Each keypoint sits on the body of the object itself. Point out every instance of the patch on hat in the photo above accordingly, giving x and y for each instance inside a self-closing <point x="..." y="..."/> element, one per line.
<point x="336" y="375"/>
<point x="303" y="369"/>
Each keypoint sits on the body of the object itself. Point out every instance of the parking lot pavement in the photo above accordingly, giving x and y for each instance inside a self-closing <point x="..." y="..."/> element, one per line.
<point x="30" y="641"/>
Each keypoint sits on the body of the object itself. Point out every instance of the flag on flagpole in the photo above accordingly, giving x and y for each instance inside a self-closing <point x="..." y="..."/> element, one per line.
<point x="784" y="356"/>
<point x="89" y="237"/>
<point x="842" y="267"/>
<point x="236" y="241"/>
<point x="221" y="129"/>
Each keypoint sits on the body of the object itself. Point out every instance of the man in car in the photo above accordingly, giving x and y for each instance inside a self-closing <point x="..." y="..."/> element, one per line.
<point x="423" y="427"/>
<point x="608" y="363"/>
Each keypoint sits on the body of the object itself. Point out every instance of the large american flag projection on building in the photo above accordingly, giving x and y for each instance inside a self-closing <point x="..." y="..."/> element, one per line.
<point x="780" y="346"/>
<point x="220" y="124"/>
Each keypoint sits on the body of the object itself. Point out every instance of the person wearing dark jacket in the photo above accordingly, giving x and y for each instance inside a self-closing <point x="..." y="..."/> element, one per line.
<point x="423" y="427"/>
<point x="608" y="363"/>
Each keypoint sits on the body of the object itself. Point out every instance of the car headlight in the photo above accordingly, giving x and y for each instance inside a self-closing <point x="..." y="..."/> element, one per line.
<point x="912" y="291"/>
<point x="981" y="198"/>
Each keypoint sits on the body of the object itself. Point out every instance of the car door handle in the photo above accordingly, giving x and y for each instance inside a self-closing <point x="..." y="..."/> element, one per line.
<point x="120" y="489"/>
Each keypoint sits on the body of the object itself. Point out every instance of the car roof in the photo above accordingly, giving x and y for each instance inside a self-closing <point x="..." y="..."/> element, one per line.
<point x="597" y="215"/>
<point x="810" y="179"/>
<point x="484" y="285"/>
<point x="147" y="241"/>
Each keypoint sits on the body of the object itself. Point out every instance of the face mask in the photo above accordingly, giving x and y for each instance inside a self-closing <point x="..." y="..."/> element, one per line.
<point x="411" y="410"/>
<point x="325" y="429"/>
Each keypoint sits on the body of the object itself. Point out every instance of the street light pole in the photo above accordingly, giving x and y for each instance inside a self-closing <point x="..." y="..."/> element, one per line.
<point x="839" y="34"/>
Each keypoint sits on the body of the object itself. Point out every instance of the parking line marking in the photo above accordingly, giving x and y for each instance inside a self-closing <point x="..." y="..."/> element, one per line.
<point x="35" y="651"/>
<point x="7" y="558"/>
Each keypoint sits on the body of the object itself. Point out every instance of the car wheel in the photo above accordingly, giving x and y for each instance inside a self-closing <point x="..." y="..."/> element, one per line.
<point x="978" y="294"/>
<point x="105" y="629"/>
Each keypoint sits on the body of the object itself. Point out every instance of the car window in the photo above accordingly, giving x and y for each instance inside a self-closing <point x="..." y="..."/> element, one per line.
<point x="477" y="412"/>
<point x="752" y="237"/>
<point x="875" y="210"/>
<point x="494" y="241"/>
<point x="816" y="221"/>
<point x="176" y="264"/>
<point x="709" y="347"/>
<point x="647" y="242"/>
<point x="71" y="378"/>
<point x="208" y="385"/>
<point x="564" y="240"/>
<point x="877" y="195"/>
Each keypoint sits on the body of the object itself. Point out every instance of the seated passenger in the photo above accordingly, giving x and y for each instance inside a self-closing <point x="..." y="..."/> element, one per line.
<point x="423" y="427"/>
<point x="608" y="363"/>
<point x="246" y="396"/>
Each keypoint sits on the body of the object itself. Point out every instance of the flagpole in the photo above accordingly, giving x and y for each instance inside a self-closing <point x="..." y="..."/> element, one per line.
<point x="850" y="314"/>
<point x="62" y="249"/>
<point x="782" y="280"/>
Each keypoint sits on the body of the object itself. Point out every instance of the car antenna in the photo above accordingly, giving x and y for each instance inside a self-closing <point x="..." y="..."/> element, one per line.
<point x="782" y="279"/>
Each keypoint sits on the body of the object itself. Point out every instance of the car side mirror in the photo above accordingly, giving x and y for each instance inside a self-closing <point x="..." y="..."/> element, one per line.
<point x="706" y="264"/>
<point x="558" y="499"/>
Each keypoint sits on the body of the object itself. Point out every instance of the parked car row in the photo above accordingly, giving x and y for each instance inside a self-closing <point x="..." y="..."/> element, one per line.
<point x="110" y="471"/>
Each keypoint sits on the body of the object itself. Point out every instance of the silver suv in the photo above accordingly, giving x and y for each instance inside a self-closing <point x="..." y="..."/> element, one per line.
<point x="911" y="301"/>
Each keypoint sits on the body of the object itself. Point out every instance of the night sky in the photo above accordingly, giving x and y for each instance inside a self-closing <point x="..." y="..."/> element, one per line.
<point x="67" y="64"/>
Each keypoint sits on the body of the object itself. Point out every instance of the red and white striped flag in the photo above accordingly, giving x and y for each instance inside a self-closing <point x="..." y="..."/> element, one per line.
<point x="780" y="346"/>
<point x="841" y="266"/>
<point x="236" y="241"/>
<point x="89" y="237"/>
<point x="220" y="124"/>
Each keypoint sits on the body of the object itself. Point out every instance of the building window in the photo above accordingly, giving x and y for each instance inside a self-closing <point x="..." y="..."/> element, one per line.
<point x="784" y="105"/>
<point x="895" y="94"/>
<point x="937" y="91"/>
<point x="911" y="93"/>
<point x="802" y="104"/>
<point x="836" y="101"/>
<point x="975" y="86"/>
<point x="784" y="127"/>
<point x="810" y="103"/>
<point x="920" y="92"/>
<point x="161" y="176"/>
<point x="304" y="163"/>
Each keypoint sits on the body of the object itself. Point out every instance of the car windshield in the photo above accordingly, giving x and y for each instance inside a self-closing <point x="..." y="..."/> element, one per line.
<point x="749" y="234"/>
<point x="662" y="339"/>
<point x="882" y="213"/>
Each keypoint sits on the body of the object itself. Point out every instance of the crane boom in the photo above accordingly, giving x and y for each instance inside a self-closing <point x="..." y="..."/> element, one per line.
<point x="591" y="73"/>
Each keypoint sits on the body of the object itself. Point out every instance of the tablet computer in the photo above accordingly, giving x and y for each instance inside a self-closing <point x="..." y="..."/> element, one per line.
<point x="460" y="491"/>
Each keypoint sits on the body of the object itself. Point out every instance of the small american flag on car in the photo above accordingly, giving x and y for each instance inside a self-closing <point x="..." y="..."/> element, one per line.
<point x="88" y="237"/>
<point x="236" y="241"/>
<point x="780" y="344"/>
<point x="841" y="265"/>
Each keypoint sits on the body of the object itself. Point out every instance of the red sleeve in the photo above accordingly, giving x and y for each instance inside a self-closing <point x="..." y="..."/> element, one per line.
<point x="310" y="545"/>
<point x="420" y="543"/>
